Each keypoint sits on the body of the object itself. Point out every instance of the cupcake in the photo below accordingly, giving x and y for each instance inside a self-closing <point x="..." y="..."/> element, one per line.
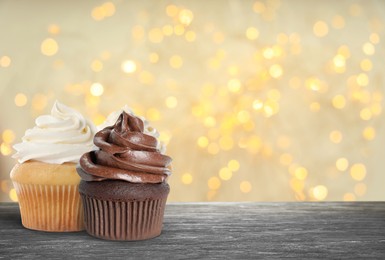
<point x="124" y="183"/>
<point x="45" y="176"/>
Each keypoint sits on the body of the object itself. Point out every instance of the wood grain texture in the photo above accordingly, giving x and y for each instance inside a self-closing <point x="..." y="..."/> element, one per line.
<point x="336" y="230"/>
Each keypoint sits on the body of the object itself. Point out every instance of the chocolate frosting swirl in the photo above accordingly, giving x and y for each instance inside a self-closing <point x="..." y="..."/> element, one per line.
<point x="125" y="153"/>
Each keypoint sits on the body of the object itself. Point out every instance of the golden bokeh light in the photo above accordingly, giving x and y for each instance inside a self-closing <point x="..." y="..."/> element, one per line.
<point x="5" y="61"/>
<point x="355" y="10"/>
<point x="315" y="106"/>
<point x="320" y="192"/>
<point x="8" y="136"/>
<point x="187" y="178"/>
<point x="297" y="185"/>
<point x="103" y="11"/>
<point x="366" y="65"/>
<point x="39" y="102"/>
<point x="368" y="49"/>
<point x="276" y="71"/>
<point x="105" y="55"/>
<point x="301" y="173"/>
<point x="97" y="14"/>
<point x="226" y="143"/>
<point x="49" y="47"/>
<point x="54" y="29"/>
<point x="167" y="30"/>
<point x="20" y="99"/>
<point x="245" y="186"/>
<point x="362" y="79"/>
<point x="172" y="10"/>
<point x="376" y="109"/>
<point x="320" y="29"/>
<point x="153" y="114"/>
<point x="171" y="102"/>
<point x="233" y="70"/>
<point x="286" y="159"/>
<point x="176" y="61"/>
<point x="234" y="85"/>
<point x="358" y="171"/>
<point x="129" y="66"/>
<point x="185" y="17"/>
<point x="259" y="7"/>
<point x="282" y="38"/>
<point x="349" y="197"/>
<point x="313" y="84"/>
<point x="13" y="195"/>
<point x="233" y="165"/>
<point x="335" y="136"/>
<point x="338" y="22"/>
<point x="203" y="142"/>
<point x="257" y="104"/>
<point x="252" y="33"/>
<point x="146" y="77"/>
<point x="366" y="114"/>
<point x="6" y="149"/>
<point x="274" y="94"/>
<point x="268" y="53"/>
<point x="155" y="35"/>
<point x="96" y="65"/>
<point x="179" y="29"/>
<point x="138" y="32"/>
<point x="98" y="119"/>
<point x="97" y="89"/>
<point x="342" y="164"/>
<point x="339" y="61"/>
<point x="210" y="121"/>
<point x="339" y="101"/>
<point x="374" y="38"/>
<point x="214" y="183"/>
<point x="369" y="133"/>
<point x="225" y="174"/>
<point x="344" y="51"/>
<point x="153" y="57"/>
<point x="190" y="36"/>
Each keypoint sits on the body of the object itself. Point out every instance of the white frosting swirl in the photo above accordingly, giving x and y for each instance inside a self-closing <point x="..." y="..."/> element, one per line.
<point x="60" y="137"/>
<point x="149" y="130"/>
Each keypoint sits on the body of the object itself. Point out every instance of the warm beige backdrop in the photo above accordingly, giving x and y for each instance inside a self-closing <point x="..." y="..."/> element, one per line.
<point x="257" y="100"/>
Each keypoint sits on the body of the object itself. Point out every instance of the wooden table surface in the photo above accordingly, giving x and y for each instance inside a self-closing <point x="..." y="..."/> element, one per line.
<point x="337" y="230"/>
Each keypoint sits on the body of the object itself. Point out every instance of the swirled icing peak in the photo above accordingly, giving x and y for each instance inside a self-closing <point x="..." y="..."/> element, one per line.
<point x="63" y="136"/>
<point x="148" y="129"/>
<point x="126" y="153"/>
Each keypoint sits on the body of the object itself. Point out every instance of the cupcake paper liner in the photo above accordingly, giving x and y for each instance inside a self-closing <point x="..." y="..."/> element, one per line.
<point x="123" y="220"/>
<point x="54" y="208"/>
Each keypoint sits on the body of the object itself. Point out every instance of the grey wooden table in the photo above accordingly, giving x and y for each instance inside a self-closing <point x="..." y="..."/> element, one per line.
<point x="220" y="230"/>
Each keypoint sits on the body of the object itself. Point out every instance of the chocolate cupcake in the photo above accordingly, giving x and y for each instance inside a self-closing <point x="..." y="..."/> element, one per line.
<point x="124" y="184"/>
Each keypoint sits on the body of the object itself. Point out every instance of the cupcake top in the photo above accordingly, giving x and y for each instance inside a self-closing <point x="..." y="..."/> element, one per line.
<point x="126" y="153"/>
<point x="63" y="136"/>
<point x="147" y="129"/>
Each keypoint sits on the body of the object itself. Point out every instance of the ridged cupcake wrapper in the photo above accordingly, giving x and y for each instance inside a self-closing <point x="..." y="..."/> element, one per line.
<point x="54" y="208"/>
<point x="131" y="220"/>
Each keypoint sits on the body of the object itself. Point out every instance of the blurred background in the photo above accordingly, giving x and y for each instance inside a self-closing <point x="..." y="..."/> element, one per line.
<point x="257" y="100"/>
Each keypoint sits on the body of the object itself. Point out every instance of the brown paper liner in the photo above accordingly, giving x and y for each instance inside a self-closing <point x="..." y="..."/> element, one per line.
<point x="119" y="220"/>
<point x="55" y="208"/>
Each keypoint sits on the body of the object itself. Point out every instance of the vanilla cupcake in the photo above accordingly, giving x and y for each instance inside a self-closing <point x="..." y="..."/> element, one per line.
<point x="45" y="176"/>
